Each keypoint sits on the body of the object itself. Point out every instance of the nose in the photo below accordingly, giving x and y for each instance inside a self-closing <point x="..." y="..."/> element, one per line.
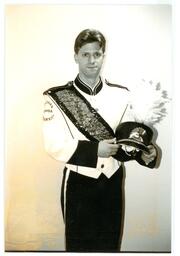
<point x="91" y="59"/>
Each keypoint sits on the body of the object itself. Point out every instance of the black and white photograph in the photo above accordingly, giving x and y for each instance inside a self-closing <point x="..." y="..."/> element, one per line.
<point x="89" y="128"/>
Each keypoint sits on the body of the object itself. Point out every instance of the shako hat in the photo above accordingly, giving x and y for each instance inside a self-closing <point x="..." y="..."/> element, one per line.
<point x="134" y="134"/>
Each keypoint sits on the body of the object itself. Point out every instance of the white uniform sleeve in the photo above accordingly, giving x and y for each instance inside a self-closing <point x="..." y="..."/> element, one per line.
<point x="58" y="140"/>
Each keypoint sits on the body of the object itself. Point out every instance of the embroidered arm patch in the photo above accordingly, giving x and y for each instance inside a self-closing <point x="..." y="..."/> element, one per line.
<point x="48" y="111"/>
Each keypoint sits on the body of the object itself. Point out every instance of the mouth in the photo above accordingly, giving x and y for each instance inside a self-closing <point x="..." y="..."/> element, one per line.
<point x="92" y="67"/>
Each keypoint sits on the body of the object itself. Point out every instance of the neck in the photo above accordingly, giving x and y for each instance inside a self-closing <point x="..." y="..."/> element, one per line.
<point x="91" y="82"/>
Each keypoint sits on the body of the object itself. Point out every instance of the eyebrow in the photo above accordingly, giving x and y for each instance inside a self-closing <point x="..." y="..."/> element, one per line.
<point x="86" y="51"/>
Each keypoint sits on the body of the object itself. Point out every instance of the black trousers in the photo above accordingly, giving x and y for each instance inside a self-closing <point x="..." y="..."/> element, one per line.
<point x="93" y="212"/>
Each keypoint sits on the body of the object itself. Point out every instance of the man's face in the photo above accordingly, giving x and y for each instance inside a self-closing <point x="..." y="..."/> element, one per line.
<point x="90" y="59"/>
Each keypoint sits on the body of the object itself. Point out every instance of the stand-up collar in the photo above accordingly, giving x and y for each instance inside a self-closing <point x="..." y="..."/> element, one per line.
<point x="86" y="88"/>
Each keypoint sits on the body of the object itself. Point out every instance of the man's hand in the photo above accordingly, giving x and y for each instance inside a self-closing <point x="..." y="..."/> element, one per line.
<point x="107" y="148"/>
<point x="149" y="157"/>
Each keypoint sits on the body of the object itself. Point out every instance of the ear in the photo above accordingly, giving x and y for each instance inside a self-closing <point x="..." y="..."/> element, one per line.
<point x="76" y="58"/>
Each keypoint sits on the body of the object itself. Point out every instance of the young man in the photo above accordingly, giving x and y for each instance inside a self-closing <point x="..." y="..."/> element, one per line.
<point x="80" y="119"/>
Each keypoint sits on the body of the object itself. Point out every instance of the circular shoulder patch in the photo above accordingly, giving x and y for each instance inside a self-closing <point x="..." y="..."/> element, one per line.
<point x="48" y="111"/>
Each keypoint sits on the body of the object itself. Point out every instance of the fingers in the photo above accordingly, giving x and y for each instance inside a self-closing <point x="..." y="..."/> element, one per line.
<point x="114" y="149"/>
<point x="149" y="157"/>
<point x="150" y="147"/>
<point x="152" y="151"/>
<point x="107" y="148"/>
<point x="111" y="141"/>
<point x="113" y="153"/>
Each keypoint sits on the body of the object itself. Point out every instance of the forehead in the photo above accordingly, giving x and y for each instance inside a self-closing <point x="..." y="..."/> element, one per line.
<point x="90" y="47"/>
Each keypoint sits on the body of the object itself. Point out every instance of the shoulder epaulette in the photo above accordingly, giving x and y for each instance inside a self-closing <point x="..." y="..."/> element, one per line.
<point x="58" y="88"/>
<point x="116" y="85"/>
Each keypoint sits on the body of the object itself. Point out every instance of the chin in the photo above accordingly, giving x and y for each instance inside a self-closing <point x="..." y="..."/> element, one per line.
<point x="92" y="73"/>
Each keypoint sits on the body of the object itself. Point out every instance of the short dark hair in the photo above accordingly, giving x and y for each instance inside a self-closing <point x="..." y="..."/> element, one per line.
<point x="89" y="36"/>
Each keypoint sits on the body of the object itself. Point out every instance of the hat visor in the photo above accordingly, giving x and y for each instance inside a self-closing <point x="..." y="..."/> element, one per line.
<point x="134" y="143"/>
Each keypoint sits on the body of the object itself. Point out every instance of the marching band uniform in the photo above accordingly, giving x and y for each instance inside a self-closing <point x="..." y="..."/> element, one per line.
<point x="76" y="118"/>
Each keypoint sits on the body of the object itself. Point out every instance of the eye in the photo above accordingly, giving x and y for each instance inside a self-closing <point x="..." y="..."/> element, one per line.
<point x="97" y="54"/>
<point x="85" y="54"/>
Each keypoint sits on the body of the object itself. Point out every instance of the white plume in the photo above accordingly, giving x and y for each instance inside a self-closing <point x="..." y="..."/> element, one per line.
<point x="147" y="102"/>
